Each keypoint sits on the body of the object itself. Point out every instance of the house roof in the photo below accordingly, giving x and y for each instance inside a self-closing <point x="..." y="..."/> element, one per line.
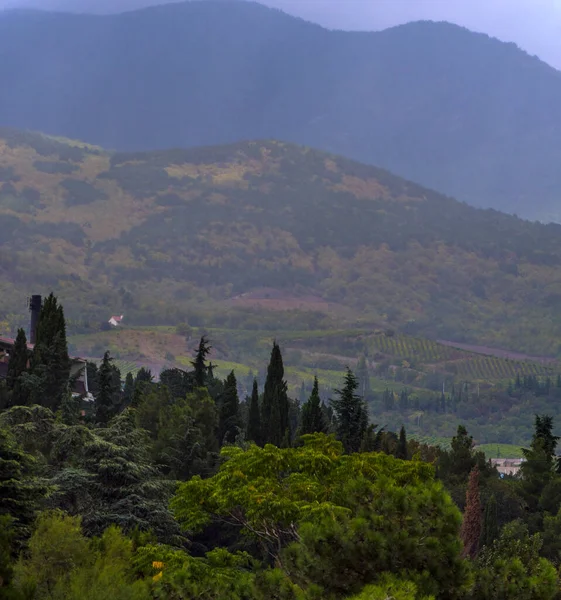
<point x="6" y="342"/>
<point x="118" y="319"/>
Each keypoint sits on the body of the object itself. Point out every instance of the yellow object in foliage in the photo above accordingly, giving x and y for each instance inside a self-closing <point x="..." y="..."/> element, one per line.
<point x="158" y="565"/>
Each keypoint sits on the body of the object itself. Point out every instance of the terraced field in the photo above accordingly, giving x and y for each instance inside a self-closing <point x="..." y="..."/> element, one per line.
<point x="325" y="353"/>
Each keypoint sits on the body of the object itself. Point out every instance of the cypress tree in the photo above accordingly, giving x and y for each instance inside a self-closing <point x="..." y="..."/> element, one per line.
<point x="351" y="414"/>
<point x="253" y="433"/>
<point x="275" y="418"/>
<point x="490" y="530"/>
<point x="19" y="358"/>
<point x="313" y="420"/>
<point x="199" y="364"/>
<point x="229" y="414"/>
<point x="363" y="376"/>
<point x="128" y="390"/>
<point x="471" y="525"/>
<point x="50" y="361"/>
<point x="107" y="401"/>
<point x="401" y="450"/>
<point x="70" y="409"/>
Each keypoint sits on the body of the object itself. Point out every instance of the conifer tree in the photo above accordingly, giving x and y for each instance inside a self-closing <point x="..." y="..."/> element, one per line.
<point x="351" y="414"/>
<point x="229" y="413"/>
<point x="253" y="433"/>
<point x="128" y="390"/>
<point x="471" y="525"/>
<point x="275" y="418"/>
<point x="50" y="361"/>
<point x="540" y="461"/>
<point x="144" y="375"/>
<point x="107" y="401"/>
<point x="70" y="409"/>
<point x="490" y="530"/>
<point x="19" y="358"/>
<point x="19" y="494"/>
<point x="401" y="451"/>
<point x="313" y="420"/>
<point x="199" y="364"/>
<point x="363" y="377"/>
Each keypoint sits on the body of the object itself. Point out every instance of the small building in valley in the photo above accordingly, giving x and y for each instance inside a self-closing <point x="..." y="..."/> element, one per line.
<point x="116" y="321"/>
<point x="507" y="466"/>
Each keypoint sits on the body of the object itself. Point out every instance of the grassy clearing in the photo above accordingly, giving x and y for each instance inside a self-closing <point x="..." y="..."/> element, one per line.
<point x="501" y="450"/>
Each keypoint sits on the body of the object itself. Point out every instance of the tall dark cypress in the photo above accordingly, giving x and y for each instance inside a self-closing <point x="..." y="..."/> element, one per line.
<point x="351" y="414"/>
<point x="313" y="420"/>
<point x="107" y="401"/>
<point x="50" y="361"/>
<point x="128" y="390"/>
<point x="229" y="414"/>
<point x="199" y="364"/>
<point x="253" y="433"/>
<point x="19" y="358"/>
<point x="490" y="530"/>
<point x="275" y="417"/>
<point x="401" y="450"/>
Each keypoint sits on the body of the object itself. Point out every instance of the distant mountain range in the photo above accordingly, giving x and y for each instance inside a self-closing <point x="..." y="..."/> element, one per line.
<point x="460" y="112"/>
<point x="160" y="235"/>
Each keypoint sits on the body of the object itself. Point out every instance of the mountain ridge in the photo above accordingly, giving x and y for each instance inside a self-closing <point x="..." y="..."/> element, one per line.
<point x="457" y="111"/>
<point x="160" y="234"/>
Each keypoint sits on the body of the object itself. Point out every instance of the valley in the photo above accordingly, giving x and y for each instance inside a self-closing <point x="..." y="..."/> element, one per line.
<point x="247" y="350"/>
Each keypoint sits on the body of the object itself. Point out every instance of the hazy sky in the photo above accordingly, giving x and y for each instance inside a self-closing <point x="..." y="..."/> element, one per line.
<point x="535" y="25"/>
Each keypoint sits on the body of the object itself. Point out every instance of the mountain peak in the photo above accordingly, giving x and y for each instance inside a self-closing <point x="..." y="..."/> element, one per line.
<point x="454" y="110"/>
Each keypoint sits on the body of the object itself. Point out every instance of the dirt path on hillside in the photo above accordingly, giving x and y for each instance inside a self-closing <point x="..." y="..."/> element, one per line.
<point x="498" y="352"/>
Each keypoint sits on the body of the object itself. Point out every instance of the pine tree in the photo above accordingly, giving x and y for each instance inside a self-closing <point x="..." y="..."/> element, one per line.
<point x="50" y="362"/>
<point x="253" y="433"/>
<point x="401" y="451"/>
<point x="313" y="420"/>
<point x="351" y="414"/>
<point x="199" y="364"/>
<point x="229" y="424"/>
<point x="490" y="530"/>
<point x="107" y="401"/>
<point x="471" y="525"/>
<point x="275" y="416"/>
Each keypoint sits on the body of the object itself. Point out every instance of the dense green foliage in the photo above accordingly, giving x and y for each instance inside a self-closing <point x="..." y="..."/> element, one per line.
<point x="431" y="101"/>
<point x="156" y="490"/>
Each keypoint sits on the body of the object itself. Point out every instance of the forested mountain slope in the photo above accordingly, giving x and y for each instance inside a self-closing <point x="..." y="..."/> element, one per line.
<point x="457" y="111"/>
<point x="157" y="234"/>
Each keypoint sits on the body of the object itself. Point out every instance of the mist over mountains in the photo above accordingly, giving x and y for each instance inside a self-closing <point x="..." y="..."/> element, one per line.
<point x="460" y="112"/>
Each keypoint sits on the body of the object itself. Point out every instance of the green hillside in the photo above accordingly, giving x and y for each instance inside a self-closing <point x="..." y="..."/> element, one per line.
<point x="228" y="236"/>
<point x="457" y="111"/>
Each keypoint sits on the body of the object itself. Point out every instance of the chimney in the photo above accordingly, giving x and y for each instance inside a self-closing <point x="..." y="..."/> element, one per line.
<point x="35" y="304"/>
